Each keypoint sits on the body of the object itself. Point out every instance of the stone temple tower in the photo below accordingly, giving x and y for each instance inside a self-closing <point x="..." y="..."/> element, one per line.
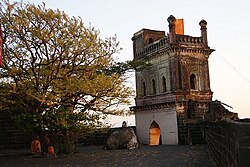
<point x="174" y="91"/>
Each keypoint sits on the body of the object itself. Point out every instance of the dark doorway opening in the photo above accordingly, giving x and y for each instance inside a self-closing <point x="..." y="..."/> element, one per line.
<point x="154" y="134"/>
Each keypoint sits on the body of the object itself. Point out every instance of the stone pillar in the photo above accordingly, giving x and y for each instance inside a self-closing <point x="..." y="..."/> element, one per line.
<point x="171" y="25"/>
<point x="203" y="25"/>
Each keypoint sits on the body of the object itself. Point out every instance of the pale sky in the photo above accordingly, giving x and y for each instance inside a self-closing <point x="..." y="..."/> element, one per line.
<point x="228" y="33"/>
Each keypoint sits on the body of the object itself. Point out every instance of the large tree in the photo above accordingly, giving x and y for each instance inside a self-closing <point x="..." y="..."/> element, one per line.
<point x="56" y="71"/>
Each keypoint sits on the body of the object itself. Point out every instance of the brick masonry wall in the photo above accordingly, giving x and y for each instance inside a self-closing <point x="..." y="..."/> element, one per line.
<point x="229" y="143"/>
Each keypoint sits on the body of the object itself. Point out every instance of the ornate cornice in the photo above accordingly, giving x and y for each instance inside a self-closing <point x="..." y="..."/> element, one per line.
<point x="193" y="50"/>
<point x="169" y="105"/>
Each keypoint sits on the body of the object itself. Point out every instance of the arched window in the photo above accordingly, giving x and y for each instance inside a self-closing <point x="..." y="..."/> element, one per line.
<point x="144" y="93"/>
<point x="150" y="40"/>
<point x="192" y="81"/>
<point x="153" y="86"/>
<point x="164" y="85"/>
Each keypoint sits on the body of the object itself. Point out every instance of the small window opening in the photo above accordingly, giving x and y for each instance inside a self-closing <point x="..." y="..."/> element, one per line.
<point x="150" y="40"/>
<point x="144" y="93"/>
<point x="192" y="81"/>
<point x="153" y="86"/>
<point x="164" y="85"/>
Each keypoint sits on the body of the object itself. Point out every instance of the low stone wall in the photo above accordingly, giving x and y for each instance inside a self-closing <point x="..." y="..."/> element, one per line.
<point x="13" y="138"/>
<point x="99" y="137"/>
<point x="229" y="142"/>
<point x="10" y="136"/>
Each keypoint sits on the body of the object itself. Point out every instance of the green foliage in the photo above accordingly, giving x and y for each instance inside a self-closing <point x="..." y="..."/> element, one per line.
<point x="58" y="120"/>
<point x="58" y="74"/>
<point x="56" y="60"/>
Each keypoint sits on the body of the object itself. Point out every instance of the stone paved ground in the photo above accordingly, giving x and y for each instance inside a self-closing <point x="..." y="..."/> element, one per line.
<point x="146" y="156"/>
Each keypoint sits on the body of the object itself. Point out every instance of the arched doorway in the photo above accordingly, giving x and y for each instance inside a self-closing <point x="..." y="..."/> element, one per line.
<point x="154" y="134"/>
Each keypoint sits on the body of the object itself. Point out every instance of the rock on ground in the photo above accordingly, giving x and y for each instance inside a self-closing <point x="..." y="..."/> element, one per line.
<point x="124" y="138"/>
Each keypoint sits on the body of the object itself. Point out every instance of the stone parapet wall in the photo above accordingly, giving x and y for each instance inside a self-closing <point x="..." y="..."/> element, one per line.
<point x="10" y="136"/>
<point x="13" y="138"/>
<point x="229" y="142"/>
<point x="95" y="138"/>
<point x="99" y="137"/>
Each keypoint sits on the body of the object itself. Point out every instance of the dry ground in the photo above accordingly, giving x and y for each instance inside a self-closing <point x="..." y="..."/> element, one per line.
<point x="146" y="156"/>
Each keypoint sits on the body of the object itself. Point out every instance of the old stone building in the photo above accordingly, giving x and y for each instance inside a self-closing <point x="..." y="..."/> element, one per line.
<point x="174" y="91"/>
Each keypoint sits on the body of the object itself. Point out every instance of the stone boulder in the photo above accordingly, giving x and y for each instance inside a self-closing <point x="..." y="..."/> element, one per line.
<point x="124" y="138"/>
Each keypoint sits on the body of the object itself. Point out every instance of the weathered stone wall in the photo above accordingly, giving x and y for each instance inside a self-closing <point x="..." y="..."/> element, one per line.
<point x="159" y="68"/>
<point x="229" y="142"/>
<point x="13" y="138"/>
<point x="98" y="137"/>
<point x="10" y="136"/>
